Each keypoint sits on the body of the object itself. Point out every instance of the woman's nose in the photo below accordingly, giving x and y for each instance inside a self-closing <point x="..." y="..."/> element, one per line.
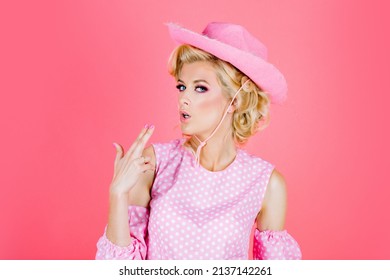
<point x="183" y="100"/>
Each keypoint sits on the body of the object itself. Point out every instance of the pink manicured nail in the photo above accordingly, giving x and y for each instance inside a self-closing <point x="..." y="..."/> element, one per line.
<point x="152" y="126"/>
<point x="146" y="126"/>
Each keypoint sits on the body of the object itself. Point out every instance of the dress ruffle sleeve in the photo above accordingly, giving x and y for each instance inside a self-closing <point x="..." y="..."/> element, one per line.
<point x="137" y="249"/>
<point x="275" y="245"/>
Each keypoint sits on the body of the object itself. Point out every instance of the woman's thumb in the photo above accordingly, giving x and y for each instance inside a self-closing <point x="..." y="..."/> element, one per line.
<point x="119" y="151"/>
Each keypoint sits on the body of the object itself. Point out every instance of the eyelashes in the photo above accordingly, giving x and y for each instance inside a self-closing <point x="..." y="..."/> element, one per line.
<point x="199" y="89"/>
<point x="180" y="87"/>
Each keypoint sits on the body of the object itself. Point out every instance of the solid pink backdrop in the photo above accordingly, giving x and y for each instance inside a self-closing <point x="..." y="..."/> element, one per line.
<point x="76" y="76"/>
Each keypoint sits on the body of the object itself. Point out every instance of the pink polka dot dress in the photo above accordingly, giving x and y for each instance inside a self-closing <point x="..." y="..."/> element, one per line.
<point x="198" y="214"/>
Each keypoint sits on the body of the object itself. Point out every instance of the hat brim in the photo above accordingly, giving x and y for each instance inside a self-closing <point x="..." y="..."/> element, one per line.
<point x="264" y="74"/>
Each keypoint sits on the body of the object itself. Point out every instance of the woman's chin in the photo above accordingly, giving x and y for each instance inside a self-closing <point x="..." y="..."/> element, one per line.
<point x="185" y="131"/>
<point x="187" y="136"/>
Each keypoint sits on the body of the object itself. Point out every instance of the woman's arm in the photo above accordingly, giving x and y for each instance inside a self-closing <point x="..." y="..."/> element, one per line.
<point x="271" y="240"/>
<point x="125" y="234"/>
<point x="273" y="211"/>
<point x="118" y="231"/>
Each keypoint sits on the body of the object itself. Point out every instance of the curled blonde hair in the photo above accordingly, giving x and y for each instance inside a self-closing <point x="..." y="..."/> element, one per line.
<point x="252" y="103"/>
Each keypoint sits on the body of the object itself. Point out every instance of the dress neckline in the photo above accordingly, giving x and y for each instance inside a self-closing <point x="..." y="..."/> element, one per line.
<point x="193" y="160"/>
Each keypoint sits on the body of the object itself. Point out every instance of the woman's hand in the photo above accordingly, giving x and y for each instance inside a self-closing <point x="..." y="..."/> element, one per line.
<point x="129" y="167"/>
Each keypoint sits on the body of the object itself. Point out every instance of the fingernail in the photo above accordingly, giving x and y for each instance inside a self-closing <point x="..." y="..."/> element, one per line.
<point x="152" y="126"/>
<point x="146" y="126"/>
<point x="114" y="145"/>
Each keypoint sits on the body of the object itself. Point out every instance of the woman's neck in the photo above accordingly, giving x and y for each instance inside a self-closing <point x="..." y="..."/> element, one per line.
<point x="217" y="154"/>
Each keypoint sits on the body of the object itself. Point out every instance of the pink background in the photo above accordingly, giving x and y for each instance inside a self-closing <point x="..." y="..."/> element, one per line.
<point x="77" y="75"/>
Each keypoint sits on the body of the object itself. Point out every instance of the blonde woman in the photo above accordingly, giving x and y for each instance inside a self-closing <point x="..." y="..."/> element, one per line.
<point x="198" y="197"/>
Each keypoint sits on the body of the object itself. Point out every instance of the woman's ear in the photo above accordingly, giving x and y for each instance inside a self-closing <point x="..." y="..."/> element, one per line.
<point x="232" y="107"/>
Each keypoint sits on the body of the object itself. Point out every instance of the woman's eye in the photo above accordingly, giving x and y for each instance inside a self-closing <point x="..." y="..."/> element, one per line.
<point x="200" y="89"/>
<point x="181" y="87"/>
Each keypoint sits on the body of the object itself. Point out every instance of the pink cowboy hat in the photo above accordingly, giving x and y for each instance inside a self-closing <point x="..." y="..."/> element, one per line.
<point x="234" y="44"/>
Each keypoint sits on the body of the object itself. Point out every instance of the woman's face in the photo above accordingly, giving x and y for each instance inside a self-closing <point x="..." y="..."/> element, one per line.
<point x="201" y="99"/>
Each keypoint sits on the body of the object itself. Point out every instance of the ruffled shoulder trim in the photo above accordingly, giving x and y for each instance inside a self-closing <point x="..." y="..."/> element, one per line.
<point x="275" y="245"/>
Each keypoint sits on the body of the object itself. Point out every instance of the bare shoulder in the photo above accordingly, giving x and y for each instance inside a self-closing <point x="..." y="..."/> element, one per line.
<point x="273" y="210"/>
<point x="140" y="193"/>
<point x="276" y="186"/>
<point x="149" y="151"/>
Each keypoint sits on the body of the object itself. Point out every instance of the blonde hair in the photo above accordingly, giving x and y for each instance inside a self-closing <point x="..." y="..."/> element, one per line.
<point x="252" y="104"/>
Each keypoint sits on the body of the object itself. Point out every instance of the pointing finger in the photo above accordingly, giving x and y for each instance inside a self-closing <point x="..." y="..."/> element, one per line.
<point x="137" y="141"/>
<point x="145" y="138"/>
<point x="119" y="154"/>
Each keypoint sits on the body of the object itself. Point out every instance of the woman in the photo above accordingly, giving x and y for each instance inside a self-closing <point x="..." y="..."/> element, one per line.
<point x="198" y="197"/>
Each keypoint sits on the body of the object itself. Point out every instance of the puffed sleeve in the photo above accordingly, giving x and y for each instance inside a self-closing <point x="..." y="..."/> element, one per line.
<point x="275" y="245"/>
<point x="136" y="250"/>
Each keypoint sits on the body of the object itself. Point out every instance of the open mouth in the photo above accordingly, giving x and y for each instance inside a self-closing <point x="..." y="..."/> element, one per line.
<point x="184" y="116"/>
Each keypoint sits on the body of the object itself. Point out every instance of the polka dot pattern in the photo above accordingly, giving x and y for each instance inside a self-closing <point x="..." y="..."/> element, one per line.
<point x="198" y="214"/>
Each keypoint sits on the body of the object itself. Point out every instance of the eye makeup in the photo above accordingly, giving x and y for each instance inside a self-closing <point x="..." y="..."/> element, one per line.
<point x="197" y="88"/>
<point x="180" y="87"/>
<point x="201" y="89"/>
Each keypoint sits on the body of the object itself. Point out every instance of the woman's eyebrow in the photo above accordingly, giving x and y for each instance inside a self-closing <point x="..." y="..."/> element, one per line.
<point x="196" y="81"/>
<point x="204" y="81"/>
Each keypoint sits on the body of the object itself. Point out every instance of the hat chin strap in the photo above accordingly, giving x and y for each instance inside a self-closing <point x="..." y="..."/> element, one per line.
<point x="203" y="143"/>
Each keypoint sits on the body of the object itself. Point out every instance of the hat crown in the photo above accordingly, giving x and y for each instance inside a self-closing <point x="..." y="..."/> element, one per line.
<point x="236" y="36"/>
